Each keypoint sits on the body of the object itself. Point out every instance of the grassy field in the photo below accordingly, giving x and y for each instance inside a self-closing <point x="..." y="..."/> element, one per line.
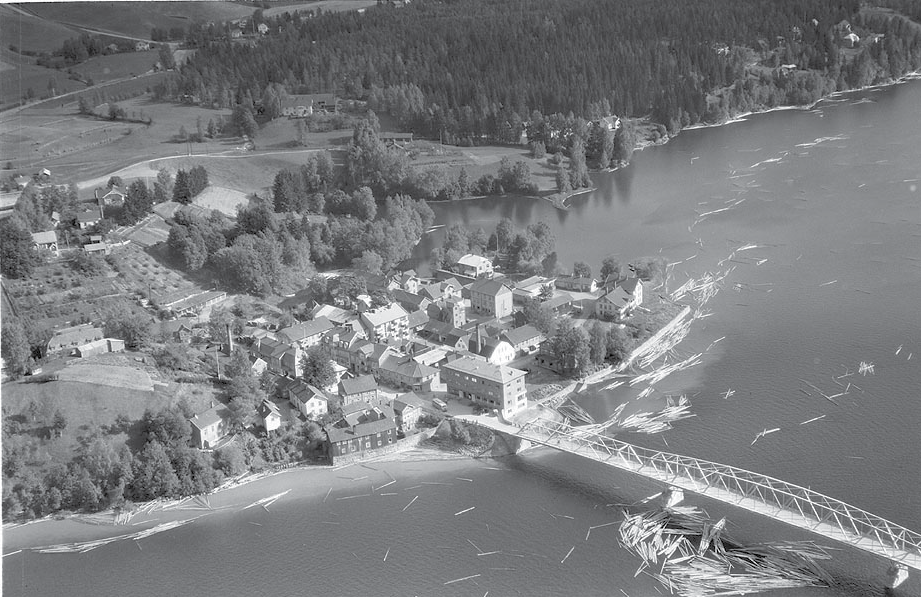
<point x="116" y="66"/>
<point x="222" y="199"/>
<point x="31" y="33"/>
<point x="91" y="407"/>
<point x="136" y="19"/>
<point x="19" y="73"/>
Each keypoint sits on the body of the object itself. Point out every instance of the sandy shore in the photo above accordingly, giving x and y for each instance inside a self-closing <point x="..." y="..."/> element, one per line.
<point x="301" y="482"/>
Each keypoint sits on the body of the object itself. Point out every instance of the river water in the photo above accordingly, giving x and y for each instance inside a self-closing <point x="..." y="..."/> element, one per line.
<point x="832" y="198"/>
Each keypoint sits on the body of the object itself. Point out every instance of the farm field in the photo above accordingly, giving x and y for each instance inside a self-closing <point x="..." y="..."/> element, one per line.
<point x="136" y="19"/>
<point x="31" y="33"/>
<point x="116" y="66"/>
<point x="19" y="73"/>
<point x="77" y="148"/>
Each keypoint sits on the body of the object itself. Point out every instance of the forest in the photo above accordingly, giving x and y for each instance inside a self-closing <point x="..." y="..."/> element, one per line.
<point x="476" y="71"/>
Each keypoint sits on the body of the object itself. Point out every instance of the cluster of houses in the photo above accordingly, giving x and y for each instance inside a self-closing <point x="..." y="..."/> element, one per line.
<point x="457" y="333"/>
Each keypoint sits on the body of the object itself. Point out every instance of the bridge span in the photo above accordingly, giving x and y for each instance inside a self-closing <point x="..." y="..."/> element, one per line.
<point x="792" y="504"/>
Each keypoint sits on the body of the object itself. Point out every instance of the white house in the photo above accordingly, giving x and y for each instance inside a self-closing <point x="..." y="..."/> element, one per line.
<point x="474" y="266"/>
<point x="619" y="301"/>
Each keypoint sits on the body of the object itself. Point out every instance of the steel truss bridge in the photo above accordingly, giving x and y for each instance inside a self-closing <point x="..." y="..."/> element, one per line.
<point x="792" y="504"/>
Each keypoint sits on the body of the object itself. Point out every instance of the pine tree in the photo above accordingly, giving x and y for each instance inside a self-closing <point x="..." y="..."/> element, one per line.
<point x="182" y="193"/>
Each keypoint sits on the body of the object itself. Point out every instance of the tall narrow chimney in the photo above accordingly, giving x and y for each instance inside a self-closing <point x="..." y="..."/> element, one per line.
<point x="479" y="340"/>
<point x="229" y="340"/>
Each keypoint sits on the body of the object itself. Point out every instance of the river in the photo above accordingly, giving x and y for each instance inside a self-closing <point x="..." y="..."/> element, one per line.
<point x="832" y="198"/>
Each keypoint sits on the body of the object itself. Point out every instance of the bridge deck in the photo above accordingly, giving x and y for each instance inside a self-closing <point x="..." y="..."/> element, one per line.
<point x="792" y="504"/>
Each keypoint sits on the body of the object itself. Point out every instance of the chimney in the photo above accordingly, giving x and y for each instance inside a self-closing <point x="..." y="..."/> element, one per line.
<point x="479" y="340"/>
<point x="101" y="203"/>
<point x="229" y="340"/>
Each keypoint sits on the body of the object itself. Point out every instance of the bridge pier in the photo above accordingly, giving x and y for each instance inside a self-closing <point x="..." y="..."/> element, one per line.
<point x="673" y="496"/>
<point x="897" y="573"/>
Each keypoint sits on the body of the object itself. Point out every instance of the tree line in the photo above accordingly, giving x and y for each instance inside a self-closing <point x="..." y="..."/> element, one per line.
<point x="434" y="66"/>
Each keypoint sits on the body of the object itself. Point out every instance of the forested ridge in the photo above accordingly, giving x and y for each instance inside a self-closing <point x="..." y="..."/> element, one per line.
<point x="476" y="69"/>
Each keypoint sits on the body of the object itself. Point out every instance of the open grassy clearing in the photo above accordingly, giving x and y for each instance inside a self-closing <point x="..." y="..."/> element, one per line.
<point x="31" y="33"/>
<point x="245" y="173"/>
<point x="116" y="66"/>
<point x="78" y="147"/>
<point x="222" y="199"/>
<point x="479" y="161"/>
<point x="136" y="19"/>
<point x="15" y="82"/>
<point x="116" y="376"/>
<point x="89" y="407"/>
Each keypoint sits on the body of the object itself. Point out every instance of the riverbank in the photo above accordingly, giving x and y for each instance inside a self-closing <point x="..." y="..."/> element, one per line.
<point x="742" y="116"/>
<point x="300" y="482"/>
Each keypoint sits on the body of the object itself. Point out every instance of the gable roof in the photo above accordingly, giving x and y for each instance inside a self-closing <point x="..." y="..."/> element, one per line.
<point x="475" y="261"/>
<point x="44" y="238"/>
<point x="267" y="409"/>
<point x="212" y="416"/>
<point x="523" y="334"/>
<point x="383" y="315"/>
<point x="559" y="300"/>
<point x="418" y="318"/>
<point x="338" y="434"/>
<point x="490" y="287"/>
<point x="89" y="216"/>
<point x="479" y="368"/>
<point x="357" y="385"/>
<point x="409" y="399"/>
<point x="308" y="329"/>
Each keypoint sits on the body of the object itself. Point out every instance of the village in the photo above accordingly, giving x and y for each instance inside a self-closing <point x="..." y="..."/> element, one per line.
<point x="453" y="345"/>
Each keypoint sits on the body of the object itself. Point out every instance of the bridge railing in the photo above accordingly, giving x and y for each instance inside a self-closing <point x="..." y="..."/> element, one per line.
<point x="851" y="521"/>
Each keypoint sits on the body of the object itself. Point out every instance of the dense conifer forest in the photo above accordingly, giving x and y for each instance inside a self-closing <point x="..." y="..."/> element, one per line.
<point x="476" y="70"/>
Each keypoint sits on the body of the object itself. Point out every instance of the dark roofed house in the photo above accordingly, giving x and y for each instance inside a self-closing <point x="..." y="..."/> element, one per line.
<point x="210" y="426"/>
<point x="309" y="400"/>
<point x="177" y="330"/>
<point x="404" y="372"/>
<point x="88" y="217"/>
<point x="395" y="139"/>
<point x="358" y="389"/>
<point x="618" y="302"/>
<point x="492" y="297"/>
<point x="270" y="415"/>
<point x="355" y="440"/>
<point x="409" y="301"/>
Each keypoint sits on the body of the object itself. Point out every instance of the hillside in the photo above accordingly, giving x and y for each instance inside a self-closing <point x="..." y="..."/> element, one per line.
<point x="136" y="19"/>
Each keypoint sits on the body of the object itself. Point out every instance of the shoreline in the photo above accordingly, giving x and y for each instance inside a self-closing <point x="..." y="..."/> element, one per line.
<point x="303" y="481"/>
<point x="743" y="116"/>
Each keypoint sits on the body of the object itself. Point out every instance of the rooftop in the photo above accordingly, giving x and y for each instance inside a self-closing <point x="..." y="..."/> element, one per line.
<point x="308" y="329"/>
<point x="498" y="373"/>
<point x="357" y="385"/>
<point x="490" y="287"/>
<point x="210" y="417"/>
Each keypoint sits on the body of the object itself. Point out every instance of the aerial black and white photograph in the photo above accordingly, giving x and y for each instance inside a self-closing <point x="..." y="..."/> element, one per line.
<point x="461" y="298"/>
